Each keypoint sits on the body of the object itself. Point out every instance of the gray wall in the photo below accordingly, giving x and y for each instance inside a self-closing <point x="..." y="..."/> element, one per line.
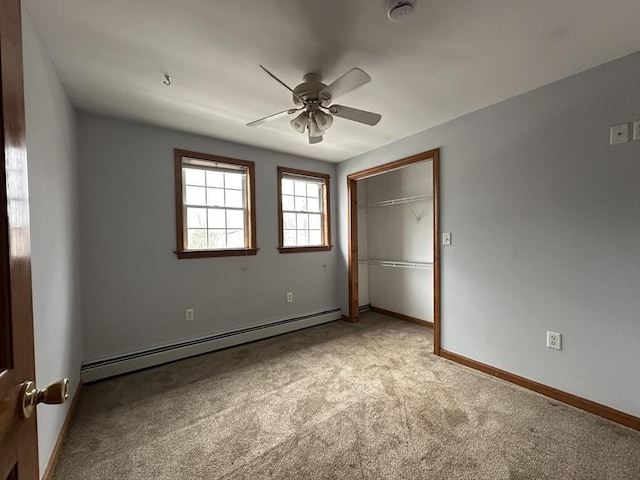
<point x="51" y="152"/>
<point x="545" y="218"/>
<point x="134" y="289"/>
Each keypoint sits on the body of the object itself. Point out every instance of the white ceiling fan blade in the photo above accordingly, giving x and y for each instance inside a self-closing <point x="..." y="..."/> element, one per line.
<point x="283" y="84"/>
<point x="351" y="80"/>
<point x="356" y="115"/>
<point x="274" y="116"/>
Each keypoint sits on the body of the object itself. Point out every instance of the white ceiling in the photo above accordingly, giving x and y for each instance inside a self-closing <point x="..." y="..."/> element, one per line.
<point x="449" y="58"/>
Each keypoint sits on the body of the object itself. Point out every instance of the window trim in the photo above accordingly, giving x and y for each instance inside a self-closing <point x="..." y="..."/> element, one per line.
<point x="181" y="226"/>
<point x="326" y="207"/>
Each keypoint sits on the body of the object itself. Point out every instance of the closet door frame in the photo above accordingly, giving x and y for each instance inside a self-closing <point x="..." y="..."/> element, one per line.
<point x="352" y="216"/>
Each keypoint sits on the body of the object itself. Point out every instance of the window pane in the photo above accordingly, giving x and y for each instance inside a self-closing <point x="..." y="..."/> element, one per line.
<point x="196" y="239"/>
<point x="215" y="204"/>
<point x="216" y="218"/>
<point x="193" y="176"/>
<point x="290" y="238"/>
<point x="235" y="219"/>
<point x="287" y="187"/>
<point x="289" y="220"/>
<point x="313" y="190"/>
<point x="303" y="237"/>
<point x="315" y="221"/>
<point x="313" y="205"/>
<point x="315" y="237"/>
<point x="288" y="202"/>
<point x="235" y="238"/>
<point x="303" y="217"/>
<point x="196" y="217"/>
<point x="301" y="204"/>
<point x="233" y="180"/>
<point x="300" y="188"/>
<point x="234" y="198"/>
<point x="302" y="221"/>
<point x="217" y="238"/>
<point x="215" y="197"/>
<point x="195" y="196"/>
<point x="215" y="179"/>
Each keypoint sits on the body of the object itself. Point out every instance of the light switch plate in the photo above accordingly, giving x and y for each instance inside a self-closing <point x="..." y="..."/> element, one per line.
<point x="619" y="134"/>
<point x="446" y="238"/>
<point x="636" y="130"/>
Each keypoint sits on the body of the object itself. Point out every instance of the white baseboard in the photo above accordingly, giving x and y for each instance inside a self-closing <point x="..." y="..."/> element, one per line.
<point x="109" y="367"/>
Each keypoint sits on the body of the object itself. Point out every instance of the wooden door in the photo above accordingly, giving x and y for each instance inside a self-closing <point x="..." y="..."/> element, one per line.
<point x="18" y="437"/>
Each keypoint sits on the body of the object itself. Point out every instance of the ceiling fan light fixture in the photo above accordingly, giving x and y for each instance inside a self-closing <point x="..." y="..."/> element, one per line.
<point x="314" y="129"/>
<point x="324" y="120"/>
<point x="300" y="123"/>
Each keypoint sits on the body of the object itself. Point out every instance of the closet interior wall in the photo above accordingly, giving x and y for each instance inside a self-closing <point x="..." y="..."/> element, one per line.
<point x="395" y="241"/>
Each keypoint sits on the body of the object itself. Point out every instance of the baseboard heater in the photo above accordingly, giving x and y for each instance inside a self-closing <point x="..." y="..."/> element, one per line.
<point x="109" y="367"/>
<point x="364" y="308"/>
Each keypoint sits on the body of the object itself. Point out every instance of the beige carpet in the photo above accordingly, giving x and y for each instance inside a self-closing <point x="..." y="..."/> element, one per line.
<point x="338" y="401"/>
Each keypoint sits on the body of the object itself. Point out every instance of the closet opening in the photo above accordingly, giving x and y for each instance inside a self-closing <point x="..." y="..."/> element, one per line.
<point x="394" y="247"/>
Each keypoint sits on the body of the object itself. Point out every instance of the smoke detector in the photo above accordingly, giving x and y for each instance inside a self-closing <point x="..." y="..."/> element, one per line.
<point x="398" y="10"/>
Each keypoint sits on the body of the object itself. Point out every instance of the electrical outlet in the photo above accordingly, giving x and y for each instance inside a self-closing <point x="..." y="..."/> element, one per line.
<point x="446" y="238"/>
<point x="619" y="134"/>
<point x="289" y="297"/>
<point x="189" y="315"/>
<point x="554" y="340"/>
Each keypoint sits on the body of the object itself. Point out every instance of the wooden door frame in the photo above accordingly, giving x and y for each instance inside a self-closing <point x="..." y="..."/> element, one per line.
<point x="352" y="220"/>
<point x="18" y="437"/>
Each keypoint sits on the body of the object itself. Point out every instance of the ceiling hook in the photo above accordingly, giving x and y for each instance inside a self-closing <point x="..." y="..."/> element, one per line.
<point x="167" y="79"/>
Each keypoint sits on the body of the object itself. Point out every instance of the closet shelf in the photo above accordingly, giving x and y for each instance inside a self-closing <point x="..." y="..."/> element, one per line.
<point x="395" y="263"/>
<point x="398" y="201"/>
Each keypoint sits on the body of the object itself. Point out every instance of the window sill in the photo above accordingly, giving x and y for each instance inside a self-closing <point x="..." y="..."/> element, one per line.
<point x="320" y="248"/>
<point x="235" y="252"/>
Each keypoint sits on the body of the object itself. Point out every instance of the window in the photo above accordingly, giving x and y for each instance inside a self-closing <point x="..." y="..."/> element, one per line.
<point x="215" y="213"/>
<point x="303" y="211"/>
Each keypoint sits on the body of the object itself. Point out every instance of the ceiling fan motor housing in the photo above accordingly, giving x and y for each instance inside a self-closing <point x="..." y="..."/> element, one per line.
<point x="310" y="89"/>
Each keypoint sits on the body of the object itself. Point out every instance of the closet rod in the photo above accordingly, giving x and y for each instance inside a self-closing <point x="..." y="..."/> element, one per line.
<point x="395" y="263"/>
<point x="398" y="201"/>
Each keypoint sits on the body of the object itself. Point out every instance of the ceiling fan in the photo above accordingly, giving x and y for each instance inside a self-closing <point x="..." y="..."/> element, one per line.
<point x="314" y="99"/>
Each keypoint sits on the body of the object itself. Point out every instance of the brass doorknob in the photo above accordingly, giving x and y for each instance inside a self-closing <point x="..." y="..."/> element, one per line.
<point x="55" y="393"/>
